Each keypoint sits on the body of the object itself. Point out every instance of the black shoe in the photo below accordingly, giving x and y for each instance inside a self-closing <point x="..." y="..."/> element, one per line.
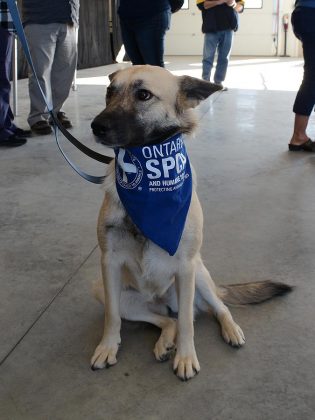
<point x="22" y="133"/>
<point x="308" y="146"/>
<point x="65" y="122"/>
<point x="13" y="141"/>
<point x="41" y="127"/>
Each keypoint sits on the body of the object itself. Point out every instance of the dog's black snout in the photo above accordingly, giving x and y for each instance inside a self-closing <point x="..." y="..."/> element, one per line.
<point x="98" y="127"/>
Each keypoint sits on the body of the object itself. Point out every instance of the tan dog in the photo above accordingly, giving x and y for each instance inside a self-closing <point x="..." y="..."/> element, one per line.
<point x="146" y="105"/>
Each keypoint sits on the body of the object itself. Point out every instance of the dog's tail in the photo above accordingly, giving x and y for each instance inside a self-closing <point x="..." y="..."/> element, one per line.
<point x="253" y="292"/>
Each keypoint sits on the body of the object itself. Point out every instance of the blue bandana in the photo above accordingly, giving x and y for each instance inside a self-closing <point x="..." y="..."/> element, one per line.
<point x="154" y="184"/>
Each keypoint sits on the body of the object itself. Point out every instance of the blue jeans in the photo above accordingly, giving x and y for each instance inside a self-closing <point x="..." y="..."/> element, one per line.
<point x="213" y="41"/>
<point x="144" y="38"/>
<point x="7" y="127"/>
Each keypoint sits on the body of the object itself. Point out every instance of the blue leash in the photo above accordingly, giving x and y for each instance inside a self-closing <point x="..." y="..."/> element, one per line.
<point x="89" y="152"/>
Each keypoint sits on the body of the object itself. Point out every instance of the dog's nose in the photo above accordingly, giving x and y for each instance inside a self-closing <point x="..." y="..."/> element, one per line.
<point x="98" y="128"/>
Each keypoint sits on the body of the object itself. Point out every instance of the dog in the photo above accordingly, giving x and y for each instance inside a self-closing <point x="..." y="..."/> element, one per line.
<point x="146" y="106"/>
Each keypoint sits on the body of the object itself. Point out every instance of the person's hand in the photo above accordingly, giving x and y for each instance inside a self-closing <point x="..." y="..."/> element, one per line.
<point x="208" y="4"/>
<point x="231" y="3"/>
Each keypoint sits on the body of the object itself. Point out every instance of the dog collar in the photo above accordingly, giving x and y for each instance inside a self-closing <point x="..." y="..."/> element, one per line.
<point x="154" y="184"/>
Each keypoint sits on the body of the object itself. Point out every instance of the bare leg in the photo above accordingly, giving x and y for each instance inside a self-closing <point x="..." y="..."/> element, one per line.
<point x="206" y="290"/>
<point x="299" y="134"/>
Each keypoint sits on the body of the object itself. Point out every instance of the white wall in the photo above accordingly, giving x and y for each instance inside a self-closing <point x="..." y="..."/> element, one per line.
<point x="294" y="48"/>
<point x="185" y="37"/>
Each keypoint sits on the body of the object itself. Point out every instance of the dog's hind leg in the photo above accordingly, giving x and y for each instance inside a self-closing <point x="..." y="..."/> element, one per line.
<point x="134" y="307"/>
<point x="206" y="298"/>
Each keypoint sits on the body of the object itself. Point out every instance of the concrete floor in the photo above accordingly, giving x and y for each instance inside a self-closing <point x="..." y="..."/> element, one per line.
<point x="259" y="207"/>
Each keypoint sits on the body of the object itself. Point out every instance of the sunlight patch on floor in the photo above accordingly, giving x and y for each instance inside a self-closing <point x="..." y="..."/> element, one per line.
<point x="255" y="73"/>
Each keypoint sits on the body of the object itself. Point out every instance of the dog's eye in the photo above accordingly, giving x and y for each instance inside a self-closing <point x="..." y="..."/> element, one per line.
<point x="144" y="95"/>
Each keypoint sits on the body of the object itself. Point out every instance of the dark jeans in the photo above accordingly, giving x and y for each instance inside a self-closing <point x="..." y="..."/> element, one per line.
<point x="7" y="127"/>
<point x="144" y="38"/>
<point x="303" y="22"/>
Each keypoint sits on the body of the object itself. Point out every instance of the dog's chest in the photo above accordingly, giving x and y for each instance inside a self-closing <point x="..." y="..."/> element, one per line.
<point x="151" y="278"/>
<point x="147" y="267"/>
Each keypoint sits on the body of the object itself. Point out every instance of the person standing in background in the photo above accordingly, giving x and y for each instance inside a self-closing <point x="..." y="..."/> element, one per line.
<point x="50" y="28"/>
<point x="303" y="23"/>
<point x="143" y="27"/>
<point x="10" y="134"/>
<point x="219" y="22"/>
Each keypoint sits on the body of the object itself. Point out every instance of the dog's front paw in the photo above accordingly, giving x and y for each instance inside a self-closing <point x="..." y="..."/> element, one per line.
<point x="186" y="367"/>
<point x="104" y="355"/>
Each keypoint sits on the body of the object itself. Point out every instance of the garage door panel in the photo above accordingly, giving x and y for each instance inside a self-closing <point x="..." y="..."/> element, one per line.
<point x="254" y="37"/>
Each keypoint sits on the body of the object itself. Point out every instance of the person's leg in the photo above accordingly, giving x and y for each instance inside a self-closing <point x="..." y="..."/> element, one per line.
<point x="130" y="42"/>
<point x="150" y="35"/>
<point x="9" y="136"/>
<point x="64" y="65"/>
<point x="209" y="48"/>
<point x="305" y="98"/>
<point x="42" y="40"/>
<point x="299" y="135"/>
<point x="224" y="51"/>
<point x="6" y="115"/>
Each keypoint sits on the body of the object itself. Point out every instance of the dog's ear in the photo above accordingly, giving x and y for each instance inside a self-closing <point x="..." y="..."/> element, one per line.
<point x="192" y="91"/>
<point x="112" y="75"/>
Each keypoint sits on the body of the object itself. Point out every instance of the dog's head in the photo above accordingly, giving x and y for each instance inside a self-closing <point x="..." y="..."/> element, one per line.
<point x="147" y="104"/>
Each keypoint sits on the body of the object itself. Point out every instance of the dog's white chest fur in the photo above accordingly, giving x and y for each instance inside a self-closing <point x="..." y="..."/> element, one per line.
<point x="141" y="269"/>
<point x="151" y="276"/>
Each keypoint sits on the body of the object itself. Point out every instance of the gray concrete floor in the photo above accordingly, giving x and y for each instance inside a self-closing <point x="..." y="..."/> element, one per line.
<point x="259" y="207"/>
